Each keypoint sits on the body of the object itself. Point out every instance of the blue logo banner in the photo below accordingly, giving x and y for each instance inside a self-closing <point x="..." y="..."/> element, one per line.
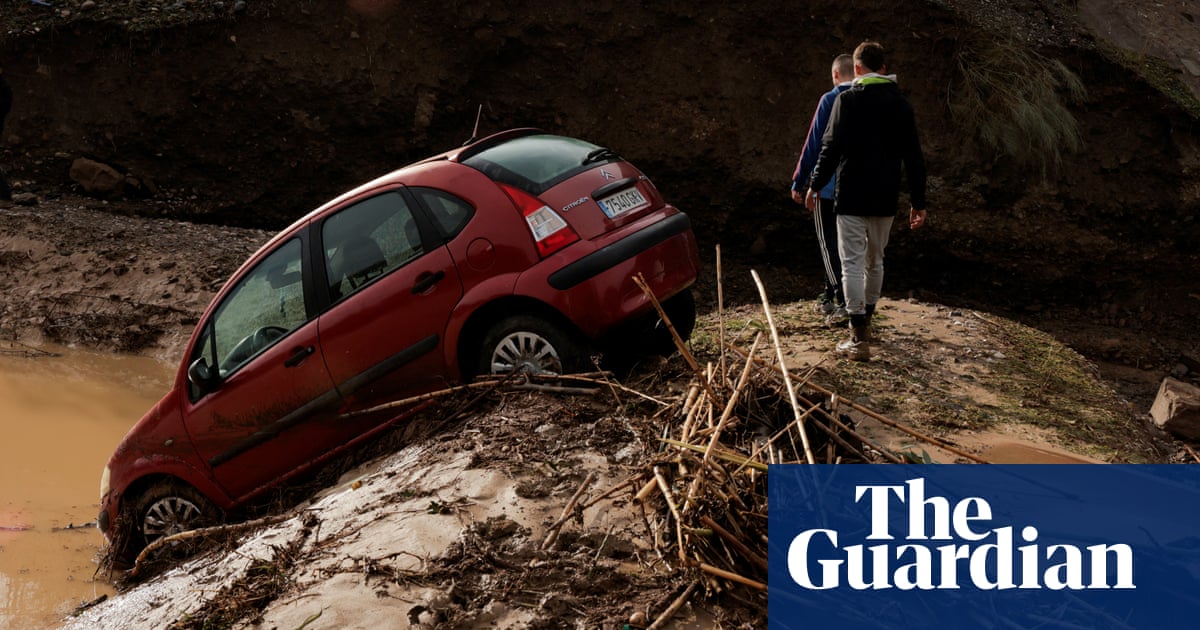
<point x="984" y="546"/>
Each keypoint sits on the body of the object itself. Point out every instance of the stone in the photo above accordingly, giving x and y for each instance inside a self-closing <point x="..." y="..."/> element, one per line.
<point x="1177" y="408"/>
<point x="96" y="178"/>
<point x="1192" y="67"/>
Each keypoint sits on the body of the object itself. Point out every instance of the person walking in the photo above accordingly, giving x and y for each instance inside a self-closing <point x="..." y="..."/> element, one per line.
<point x="833" y="301"/>
<point x="6" y="96"/>
<point x="872" y="133"/>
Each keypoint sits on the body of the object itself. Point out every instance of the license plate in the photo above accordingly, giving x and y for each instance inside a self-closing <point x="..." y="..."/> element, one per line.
<point x="622" y="202"/>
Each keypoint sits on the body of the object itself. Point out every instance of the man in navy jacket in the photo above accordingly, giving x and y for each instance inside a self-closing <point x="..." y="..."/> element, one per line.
<point x="833" y="301"/>
<point x="872" y="132"/>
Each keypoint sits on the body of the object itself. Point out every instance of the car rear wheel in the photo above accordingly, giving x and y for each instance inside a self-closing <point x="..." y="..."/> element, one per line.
<point x="168" y="508"/>
<point x="529" y="344"/>
<point x="681" y="310"/>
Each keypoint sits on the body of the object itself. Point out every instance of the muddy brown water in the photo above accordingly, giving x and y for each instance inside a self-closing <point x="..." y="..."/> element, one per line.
<point x="61" y="415"/>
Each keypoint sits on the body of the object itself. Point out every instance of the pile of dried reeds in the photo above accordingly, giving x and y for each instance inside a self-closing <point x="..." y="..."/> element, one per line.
<point x="707" y="499"/>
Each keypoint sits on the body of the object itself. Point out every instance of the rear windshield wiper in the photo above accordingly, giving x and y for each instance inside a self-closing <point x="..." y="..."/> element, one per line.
<point x="600" y="154"/>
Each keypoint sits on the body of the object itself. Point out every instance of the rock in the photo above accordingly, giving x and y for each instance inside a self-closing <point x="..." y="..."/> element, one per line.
<point x="25" y="199"/>
<point x="96" y="178"/>
<point x="1191" y="360"/>
<point x="1177" y="408"/>
<point x="628" y="454"/>
<point x="1192" y="67"/>
<point x="548" y="430"/>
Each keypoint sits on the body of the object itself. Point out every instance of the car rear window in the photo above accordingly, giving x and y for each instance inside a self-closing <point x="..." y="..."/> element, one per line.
<point x="536" y="163"/>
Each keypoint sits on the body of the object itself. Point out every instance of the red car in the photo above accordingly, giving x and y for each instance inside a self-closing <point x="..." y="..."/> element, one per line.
<point x="514" y="252"/>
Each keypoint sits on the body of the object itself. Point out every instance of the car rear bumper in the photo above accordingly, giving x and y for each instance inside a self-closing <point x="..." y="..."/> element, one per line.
<point x="596" y="291"/>
<point x="609" y="256"/>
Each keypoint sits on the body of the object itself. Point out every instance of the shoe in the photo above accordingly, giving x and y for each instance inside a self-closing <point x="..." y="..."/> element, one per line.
<point x="856" y="348"/>
<point x="837" y="316"/>
<point x="826" y="306"/>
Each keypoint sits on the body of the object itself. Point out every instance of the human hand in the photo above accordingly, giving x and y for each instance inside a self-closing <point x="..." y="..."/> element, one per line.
<point x="798" y="196"/>
<point x="810" y="200"/>
<point x="916" y="218"/>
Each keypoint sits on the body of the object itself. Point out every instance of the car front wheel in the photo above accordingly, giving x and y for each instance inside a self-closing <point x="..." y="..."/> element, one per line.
<point x="524" y="343"/>
<point x="169" y="508"/>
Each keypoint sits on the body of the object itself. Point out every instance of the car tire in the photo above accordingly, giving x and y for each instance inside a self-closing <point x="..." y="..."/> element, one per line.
<point x="531" y="344"/>
<point x="681" y="310"/>
<point x="168" y="508"/>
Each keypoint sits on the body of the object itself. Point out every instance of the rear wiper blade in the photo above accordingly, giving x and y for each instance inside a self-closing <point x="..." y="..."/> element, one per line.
<point x="601" y="154"/>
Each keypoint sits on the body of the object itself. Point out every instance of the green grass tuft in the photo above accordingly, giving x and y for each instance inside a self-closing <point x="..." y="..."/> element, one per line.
<point x="1017" y="100"/>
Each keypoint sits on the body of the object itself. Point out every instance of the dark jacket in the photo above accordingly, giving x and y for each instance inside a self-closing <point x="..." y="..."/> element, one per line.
<point x="871" y="131"/>
<point x="812" y="142"/>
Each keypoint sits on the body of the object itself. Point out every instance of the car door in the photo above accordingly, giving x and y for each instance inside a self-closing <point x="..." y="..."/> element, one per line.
<point x="266" y="406"/>
<point x="392" y="287"/>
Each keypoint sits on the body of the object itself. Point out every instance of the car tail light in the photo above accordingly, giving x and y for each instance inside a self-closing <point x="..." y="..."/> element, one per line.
<point x="550" y="231"/>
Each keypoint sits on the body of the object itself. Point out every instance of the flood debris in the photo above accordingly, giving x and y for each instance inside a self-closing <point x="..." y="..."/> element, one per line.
<point x="638" y="500"/>
<point x="18" y="349"/>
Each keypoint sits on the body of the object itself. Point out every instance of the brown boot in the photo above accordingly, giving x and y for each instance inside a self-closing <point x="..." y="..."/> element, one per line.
<point x="858" y="347"/>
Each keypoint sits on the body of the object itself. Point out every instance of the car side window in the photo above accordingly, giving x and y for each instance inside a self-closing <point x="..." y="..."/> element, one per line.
<point x="265" y="305"/>
<point x="449" y="212"/>
<point x="368" y="240"/>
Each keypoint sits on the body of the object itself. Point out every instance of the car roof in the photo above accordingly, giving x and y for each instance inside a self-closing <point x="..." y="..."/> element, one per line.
<point x="392" y="177"/>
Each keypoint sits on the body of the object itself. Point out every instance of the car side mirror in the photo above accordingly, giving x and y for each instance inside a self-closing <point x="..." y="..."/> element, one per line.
<point x="201" y="375"/>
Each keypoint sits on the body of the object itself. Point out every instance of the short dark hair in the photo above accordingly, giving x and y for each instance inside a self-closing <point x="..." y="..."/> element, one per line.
<point x="869" y="55"/>
<point x="844" y="64"/>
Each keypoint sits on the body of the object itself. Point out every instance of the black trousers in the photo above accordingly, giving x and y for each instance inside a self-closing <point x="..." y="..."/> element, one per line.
<point x="827" y="241"/>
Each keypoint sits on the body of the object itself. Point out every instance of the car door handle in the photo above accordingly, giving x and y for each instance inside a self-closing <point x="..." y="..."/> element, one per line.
<point x="426" y="281"/>
<point x="298" y="356"/>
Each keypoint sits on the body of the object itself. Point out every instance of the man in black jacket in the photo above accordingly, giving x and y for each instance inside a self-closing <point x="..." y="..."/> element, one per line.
<point x="871" y="132"/>
<point x="5" y="105"/>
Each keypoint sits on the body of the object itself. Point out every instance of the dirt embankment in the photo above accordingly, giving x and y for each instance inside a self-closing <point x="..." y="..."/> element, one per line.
<point x="251" y="113"/>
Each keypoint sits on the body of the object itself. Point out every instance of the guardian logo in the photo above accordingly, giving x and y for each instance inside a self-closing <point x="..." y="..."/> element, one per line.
<point x="1088" y="546"/>
<point x="969" y="550"/>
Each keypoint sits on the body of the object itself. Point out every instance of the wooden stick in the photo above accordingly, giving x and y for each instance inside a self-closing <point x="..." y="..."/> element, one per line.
<point x="567" y="512"/>
<point x="748" y="553"/>
<point x="682" y="347"/>
<point x="787" y="379"/>
<point x="555" y="389"/>
<point x="711" y="570"/>
<point x="877" y="416"/>
<point x="203" y="531"/>
<point x="1193" y="453"/>
<point x="729" y="406"/>
<point x="607" y="493"/>
<point x="692" y="406"/>
<point x="721" y="312"/>
<point x="913" y="432"/>
<point x="666" y="491"/>
<point x="422" y="397"/>
<point x="641" y="495"/>
<point x="605" y="381"/>
<point x="674" y="607"/>
<point x="734" y="458"/>
<point x="882" y="451"/>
